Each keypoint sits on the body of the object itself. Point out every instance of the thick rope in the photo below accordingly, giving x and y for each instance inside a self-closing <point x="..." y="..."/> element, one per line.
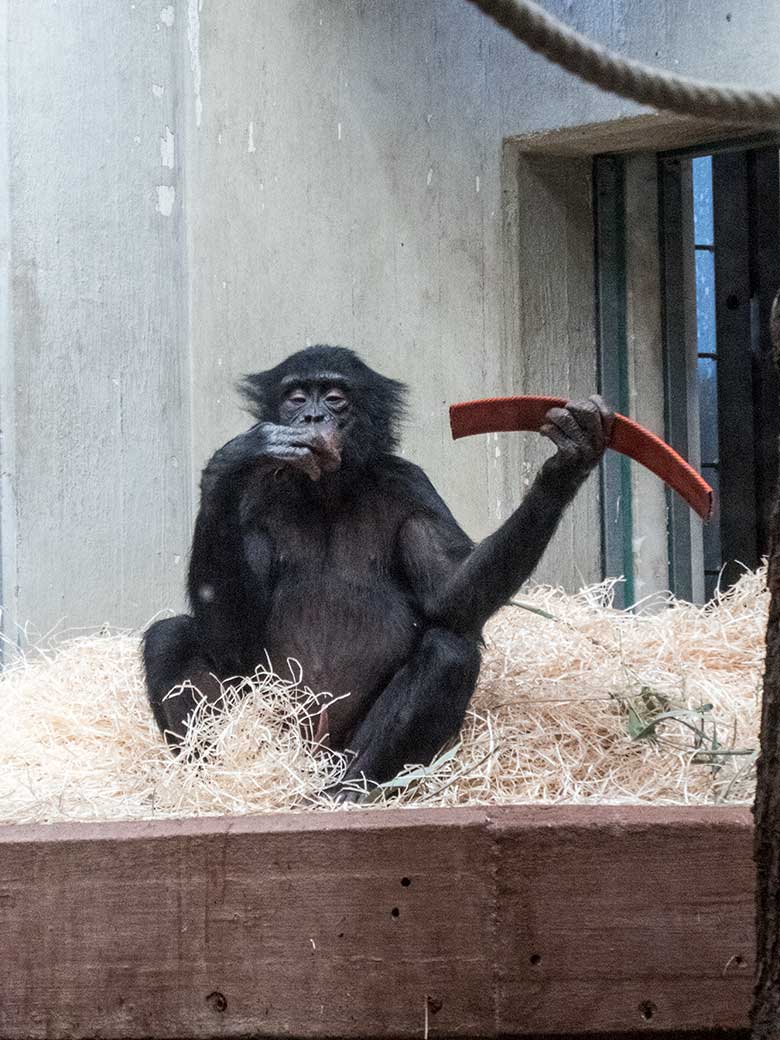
<point x="630" y="79"/>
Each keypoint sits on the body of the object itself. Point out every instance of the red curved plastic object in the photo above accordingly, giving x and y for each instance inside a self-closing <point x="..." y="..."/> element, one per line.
<point x="505" y="414"/>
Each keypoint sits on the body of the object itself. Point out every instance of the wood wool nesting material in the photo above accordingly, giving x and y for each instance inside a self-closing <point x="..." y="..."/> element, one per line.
<point x="576" y="703"/>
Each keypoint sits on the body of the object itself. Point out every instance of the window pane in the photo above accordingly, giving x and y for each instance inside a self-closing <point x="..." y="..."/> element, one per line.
<point x="705" y="302"/>
<point x="703" y="235"/>
<point x="702" y="201"/>
<point x="708" y="409"/>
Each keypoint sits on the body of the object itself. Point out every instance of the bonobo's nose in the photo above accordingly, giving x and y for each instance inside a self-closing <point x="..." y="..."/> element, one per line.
<point x="314" y="418"/>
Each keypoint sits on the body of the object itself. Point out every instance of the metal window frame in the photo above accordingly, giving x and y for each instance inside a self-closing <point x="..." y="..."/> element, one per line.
<point x="752" y="165"/>
<point x="612" y="361"/>
<point x="675" y="355"/>
<point x="733" y="323"/>
<point x="757" y="158"/>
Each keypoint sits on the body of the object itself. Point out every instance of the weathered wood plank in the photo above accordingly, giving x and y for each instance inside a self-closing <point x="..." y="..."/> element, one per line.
<point x="616" y="919"/>
<point x="282" y="926"/>
<point x="358" y="924"/>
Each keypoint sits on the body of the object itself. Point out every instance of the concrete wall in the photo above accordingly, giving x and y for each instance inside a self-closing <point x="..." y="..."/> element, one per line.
<point x="191" y="191"/>
<point x="96" y="507"/>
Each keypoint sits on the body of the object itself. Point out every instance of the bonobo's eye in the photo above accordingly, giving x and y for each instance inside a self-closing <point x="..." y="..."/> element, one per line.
<point x="335" y="400"/>
<point x="297" y="397"/>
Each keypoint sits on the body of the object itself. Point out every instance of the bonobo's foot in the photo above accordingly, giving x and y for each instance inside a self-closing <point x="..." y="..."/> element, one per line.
<point x="581" y="431"/>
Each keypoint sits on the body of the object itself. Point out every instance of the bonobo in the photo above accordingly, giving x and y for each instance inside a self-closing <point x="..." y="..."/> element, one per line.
<point x="316" y="542"/>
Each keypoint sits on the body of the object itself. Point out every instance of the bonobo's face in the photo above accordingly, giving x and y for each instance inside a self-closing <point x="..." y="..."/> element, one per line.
<point x="321" y="406"/>
<point x="323" y="403"/>
<point x="330" y="391"/>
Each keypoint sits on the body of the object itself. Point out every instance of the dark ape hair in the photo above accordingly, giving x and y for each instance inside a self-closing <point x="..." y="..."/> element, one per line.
<point x="378" y="403"/>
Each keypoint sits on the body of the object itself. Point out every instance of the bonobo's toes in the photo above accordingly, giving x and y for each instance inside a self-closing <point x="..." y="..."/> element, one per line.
<point x="341" y="795"/>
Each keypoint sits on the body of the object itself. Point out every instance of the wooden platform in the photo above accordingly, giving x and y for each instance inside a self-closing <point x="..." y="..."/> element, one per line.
<point x="502" y="922"/>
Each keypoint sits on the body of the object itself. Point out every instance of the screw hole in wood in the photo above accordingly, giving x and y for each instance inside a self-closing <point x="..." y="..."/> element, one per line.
<point x="647" y="1010"/>
<point x="217" y="1002"/>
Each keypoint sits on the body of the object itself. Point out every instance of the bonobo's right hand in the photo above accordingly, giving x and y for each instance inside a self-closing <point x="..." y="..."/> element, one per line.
<point x="310" y="450"/>
<point x="313" y="450"/>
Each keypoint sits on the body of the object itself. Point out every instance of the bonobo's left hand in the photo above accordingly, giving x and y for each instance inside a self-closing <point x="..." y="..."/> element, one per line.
<point x="581" y="431"/>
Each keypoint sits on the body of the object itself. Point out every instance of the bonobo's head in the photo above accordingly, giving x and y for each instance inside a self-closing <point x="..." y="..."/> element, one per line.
<point x="332" y="389"/>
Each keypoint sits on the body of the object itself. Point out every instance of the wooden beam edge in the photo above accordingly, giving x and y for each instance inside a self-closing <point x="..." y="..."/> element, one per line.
<point x="515" y="816"/>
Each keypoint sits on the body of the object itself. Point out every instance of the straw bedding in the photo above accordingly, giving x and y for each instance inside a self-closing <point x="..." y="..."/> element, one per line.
<point x="576" y="703"/>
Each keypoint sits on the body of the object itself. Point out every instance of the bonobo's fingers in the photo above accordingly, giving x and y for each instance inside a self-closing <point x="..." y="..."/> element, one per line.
<point x="607" y="417"/>
<point x="580" y="431"/>
<point x="311" y="450"/>
<point x="590" y="432"/>
<point x="290" y="446"/>
<point x="320" y="448"/>
<point x="563" y="430"/>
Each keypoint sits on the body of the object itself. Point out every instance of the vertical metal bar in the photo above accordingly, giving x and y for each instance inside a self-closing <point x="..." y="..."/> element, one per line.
<point x="764" y="206"/>
<point x="672" y="247"/>
<point x="616" y="492"/>
<point x="736" y="441"/>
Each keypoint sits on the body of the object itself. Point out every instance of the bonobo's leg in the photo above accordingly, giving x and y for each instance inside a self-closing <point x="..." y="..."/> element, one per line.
<point x="172" y="656"/>
<point x="418" y="711"/>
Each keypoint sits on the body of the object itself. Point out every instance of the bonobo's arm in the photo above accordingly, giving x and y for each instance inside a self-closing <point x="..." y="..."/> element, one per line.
<point x="461" y="591"/>
<point x="220" y="574"/>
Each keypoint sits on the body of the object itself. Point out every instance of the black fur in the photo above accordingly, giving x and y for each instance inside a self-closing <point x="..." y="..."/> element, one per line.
<point x="315" y="542"/>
